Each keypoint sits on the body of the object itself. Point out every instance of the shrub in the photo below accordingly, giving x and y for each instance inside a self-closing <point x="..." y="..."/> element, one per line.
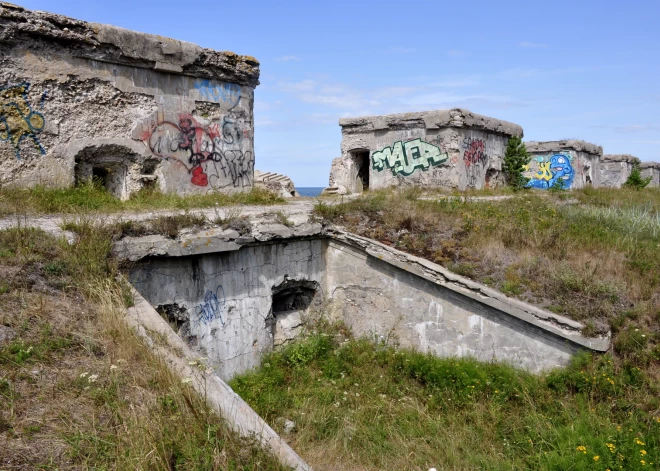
<point x="515" y="159"/>
<point x="635" y="180"/>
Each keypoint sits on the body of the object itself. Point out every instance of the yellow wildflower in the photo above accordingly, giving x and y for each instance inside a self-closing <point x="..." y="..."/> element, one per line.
<point x="642" y="452"/>
<point x="639" y="442"/>
<point x="596" y="458"/>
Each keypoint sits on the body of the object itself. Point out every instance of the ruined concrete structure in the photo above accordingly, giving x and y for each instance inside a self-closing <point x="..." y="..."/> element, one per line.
<point x="447" y="148"/>
<point x="275" y="182"/>
<point x="615" y="169"/>
<point x="79" y="100"/>
<point x="236" y="295"/>
<point x="570" y="163"/>
<point x="652" y="170"/>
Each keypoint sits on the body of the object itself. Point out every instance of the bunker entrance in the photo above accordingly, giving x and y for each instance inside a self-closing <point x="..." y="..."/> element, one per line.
<point x="361" y="158"/>
<point x="291" y="300"/>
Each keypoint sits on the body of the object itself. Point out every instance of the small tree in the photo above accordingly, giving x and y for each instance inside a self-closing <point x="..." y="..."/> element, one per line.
<point x="515" y="160"/>
<point x="635" y="180"/>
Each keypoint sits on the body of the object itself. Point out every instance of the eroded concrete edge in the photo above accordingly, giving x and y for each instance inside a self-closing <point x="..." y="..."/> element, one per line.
<point x="554" y="324"/>
<point x="177" y="355"/>
<point x="219" y="240"/>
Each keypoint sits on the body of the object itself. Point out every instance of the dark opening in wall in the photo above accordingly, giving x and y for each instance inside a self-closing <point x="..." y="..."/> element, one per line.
<point x="291" y="300"/>
<point x="361" y="159"/>
<point x="293" y="295"/>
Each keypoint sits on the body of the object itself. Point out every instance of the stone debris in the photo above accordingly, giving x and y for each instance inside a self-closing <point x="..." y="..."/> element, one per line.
<point x="278" y="184"/>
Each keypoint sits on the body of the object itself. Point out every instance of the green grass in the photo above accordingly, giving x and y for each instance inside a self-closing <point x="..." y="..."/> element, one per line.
<point x="592" y="255"/>
<point x="78" y="388"/>
<point x="92" y="197"/>
<point x="360" y="405"/>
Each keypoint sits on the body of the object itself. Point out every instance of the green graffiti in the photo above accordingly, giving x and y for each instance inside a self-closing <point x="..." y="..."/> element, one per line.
<point x="405" y="158"/>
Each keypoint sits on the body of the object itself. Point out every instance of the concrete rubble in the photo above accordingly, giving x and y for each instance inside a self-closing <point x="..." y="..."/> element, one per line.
<point x="275" y="182"/>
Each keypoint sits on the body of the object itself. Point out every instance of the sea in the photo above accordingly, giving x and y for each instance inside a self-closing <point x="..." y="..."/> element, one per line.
<point x="310" y="191"/>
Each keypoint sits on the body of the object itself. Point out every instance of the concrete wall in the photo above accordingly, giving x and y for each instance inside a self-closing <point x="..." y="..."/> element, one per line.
<point x="223" y="301"/>
<point x="375" y="298"/>
<point x="574" y="163"/>
<point x="449" y="148"/>
<point x="80" y="99"/>
<point x="651" y="169"/>
<point x="242" y="300"/>
<point x="615" y="169"/>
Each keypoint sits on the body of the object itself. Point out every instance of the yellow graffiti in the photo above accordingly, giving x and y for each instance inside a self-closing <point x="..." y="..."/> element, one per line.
<point x="17" y="120"/>
<point x="544" y="173"/>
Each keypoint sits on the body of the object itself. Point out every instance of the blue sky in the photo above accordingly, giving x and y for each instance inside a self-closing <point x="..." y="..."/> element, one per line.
<point x="561" y="69"/>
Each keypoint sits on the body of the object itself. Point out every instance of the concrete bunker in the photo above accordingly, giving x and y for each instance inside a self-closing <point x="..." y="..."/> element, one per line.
<point x="445" y="148"/>
<point x="233" y="298"/>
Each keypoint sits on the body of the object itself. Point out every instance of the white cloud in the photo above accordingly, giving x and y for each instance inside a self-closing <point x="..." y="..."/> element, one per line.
<point x="287" y="58"/>
<point x="531" y="44"/>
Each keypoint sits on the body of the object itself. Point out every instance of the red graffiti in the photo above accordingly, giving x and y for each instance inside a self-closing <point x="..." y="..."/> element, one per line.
<point x="199" y="178"/>
<point x="475" y="154"/>
<point x="192" y="145"/>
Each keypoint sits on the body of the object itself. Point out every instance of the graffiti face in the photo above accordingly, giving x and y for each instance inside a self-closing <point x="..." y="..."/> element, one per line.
<point x="548" y="172"/>
<point x="202" y="149"/>
<point x="405" y="158"/>
<point x="17" y="120"/>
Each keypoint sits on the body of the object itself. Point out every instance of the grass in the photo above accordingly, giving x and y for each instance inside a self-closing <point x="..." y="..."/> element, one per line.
<point x="92" y="197"/>
<point x="362" y="405"/>
<point x="592" y="255"/>
<point x="78" y="388"/>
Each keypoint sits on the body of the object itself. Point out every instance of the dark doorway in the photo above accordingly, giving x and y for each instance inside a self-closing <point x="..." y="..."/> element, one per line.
<point x="361" y="158"/>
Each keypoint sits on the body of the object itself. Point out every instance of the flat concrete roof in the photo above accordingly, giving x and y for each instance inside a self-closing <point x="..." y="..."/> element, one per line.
<point x="453" y="118"/>
<point x="568" y="144"/>
<point x="60" y="34"/>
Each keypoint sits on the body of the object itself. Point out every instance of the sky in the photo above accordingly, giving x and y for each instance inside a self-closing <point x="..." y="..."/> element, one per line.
<point x="576" y="69"/>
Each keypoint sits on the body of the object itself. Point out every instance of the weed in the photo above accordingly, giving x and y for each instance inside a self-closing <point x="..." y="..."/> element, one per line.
<point x="361" y="404"/>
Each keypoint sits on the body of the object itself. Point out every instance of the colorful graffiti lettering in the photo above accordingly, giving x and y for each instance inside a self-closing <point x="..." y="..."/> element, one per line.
<point x="17" y="119"/>
<point x="549" y="172"/>
<point x="212" y="308"/>
<point x="405" y="158"/>
<point x="475" y="159"/>
<point x="227" y="93"/>
<point x="193" y="145"/>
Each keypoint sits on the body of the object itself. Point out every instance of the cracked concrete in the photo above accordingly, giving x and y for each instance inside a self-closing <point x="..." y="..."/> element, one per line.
<point x="377" y="290"/>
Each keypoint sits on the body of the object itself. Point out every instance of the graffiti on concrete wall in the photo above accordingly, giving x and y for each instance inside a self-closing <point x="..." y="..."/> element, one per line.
<point x="550" y="171"/>
<point x="213" y="307"/>
<point x="212" y="154"/>
<point x="405" y="157"/>
<point x="219" y="92"/>
<point x="475" y="159"/>
<point x="17" y="119"/>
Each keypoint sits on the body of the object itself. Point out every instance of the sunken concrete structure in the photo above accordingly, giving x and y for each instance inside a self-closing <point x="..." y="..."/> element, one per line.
<point x="448" y="148"/>
<point x="81" y="100"/>
<point x="235" y="294"/>
<point x="615" y="169"/>
<point x="572" y="164"/>
<point x="651" y="170"/>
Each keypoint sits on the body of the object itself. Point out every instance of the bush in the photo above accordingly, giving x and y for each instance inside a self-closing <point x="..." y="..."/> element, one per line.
<point x="515" y="159"/>
<point x="635" y="180"/>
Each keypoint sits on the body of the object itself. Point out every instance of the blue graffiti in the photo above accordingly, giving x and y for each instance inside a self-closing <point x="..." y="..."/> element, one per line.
<point x="17" y="119"/>
<point x="557" y="170"/>
<point x="228" y="93"/>
<point x="212" y="308"/>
